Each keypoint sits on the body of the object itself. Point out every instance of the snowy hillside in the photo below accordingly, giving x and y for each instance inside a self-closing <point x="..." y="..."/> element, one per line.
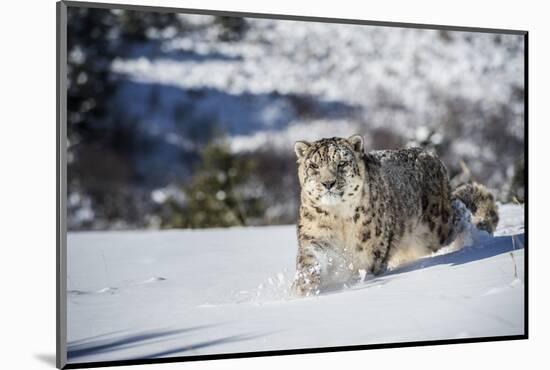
<point x="150" y="94"/>
<point x="286" y="81"/>
<point x="146" y="294"/>
<point x="390" y="77"/>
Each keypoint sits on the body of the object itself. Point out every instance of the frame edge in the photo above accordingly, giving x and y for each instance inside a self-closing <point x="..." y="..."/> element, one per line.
<point x="289" y="17"/>
<point x="61" y="184"/>
<point x="61" y="169"/>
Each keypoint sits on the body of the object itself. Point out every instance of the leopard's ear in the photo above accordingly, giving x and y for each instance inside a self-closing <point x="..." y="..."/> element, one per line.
<point x="300" y="147"/>
<point x="356" y="142"/>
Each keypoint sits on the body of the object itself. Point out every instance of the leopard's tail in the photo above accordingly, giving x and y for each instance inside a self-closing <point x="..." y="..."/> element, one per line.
<point x="481" y="204"/>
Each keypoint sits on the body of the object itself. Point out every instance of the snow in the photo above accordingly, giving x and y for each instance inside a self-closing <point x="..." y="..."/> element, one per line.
<point x="392" y="78"/>
<point x="147" y="294"/>
<point x="285" y="81"/>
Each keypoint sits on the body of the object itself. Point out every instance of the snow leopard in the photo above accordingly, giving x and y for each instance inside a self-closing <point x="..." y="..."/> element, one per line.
<point x="362" y="212"/>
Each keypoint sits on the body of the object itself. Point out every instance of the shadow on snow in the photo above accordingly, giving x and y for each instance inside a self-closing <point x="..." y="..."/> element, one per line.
<point x="97" y="345"/>
<point x="486" y="249"/>
<point x="100" y="344"/>
<point x="207" y="343"/>
<point x="493" y="246"/>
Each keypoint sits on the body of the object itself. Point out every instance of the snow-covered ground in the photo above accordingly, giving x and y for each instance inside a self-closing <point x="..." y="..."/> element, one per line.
<point x="147" y="294"/>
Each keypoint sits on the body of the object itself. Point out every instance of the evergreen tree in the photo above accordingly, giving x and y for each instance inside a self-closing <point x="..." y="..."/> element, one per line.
<point x="102" y="145"/>
<point x="222" y="192"/>
<point x="231" y="29"/>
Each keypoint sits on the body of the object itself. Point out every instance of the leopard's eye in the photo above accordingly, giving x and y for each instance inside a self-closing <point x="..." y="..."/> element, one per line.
<point x="343" y="164"/>
<point x="313" y="165"/>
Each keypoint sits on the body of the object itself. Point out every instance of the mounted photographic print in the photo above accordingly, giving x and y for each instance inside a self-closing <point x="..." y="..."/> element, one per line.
<point x="235" y="184"/>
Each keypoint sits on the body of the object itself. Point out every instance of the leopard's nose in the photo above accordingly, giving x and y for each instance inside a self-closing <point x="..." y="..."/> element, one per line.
<point x="329" y="184"/>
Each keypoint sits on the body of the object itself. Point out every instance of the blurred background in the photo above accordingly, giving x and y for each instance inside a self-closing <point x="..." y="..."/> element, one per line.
<point x="189" y="121"/>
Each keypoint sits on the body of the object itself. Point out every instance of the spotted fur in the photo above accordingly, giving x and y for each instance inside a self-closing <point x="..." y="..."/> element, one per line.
<point x="368" y="211"/>
<point x="481" y="204"/>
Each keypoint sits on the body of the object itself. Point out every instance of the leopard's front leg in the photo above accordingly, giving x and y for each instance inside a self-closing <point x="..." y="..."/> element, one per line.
<point x="307" y="280"/>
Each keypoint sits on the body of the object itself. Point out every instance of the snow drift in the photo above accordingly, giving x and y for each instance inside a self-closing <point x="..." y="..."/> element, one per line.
<point x="148" y="294"/>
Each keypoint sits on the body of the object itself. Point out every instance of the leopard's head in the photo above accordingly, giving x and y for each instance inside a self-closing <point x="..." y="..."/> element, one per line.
<point x="331" y="171"/>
